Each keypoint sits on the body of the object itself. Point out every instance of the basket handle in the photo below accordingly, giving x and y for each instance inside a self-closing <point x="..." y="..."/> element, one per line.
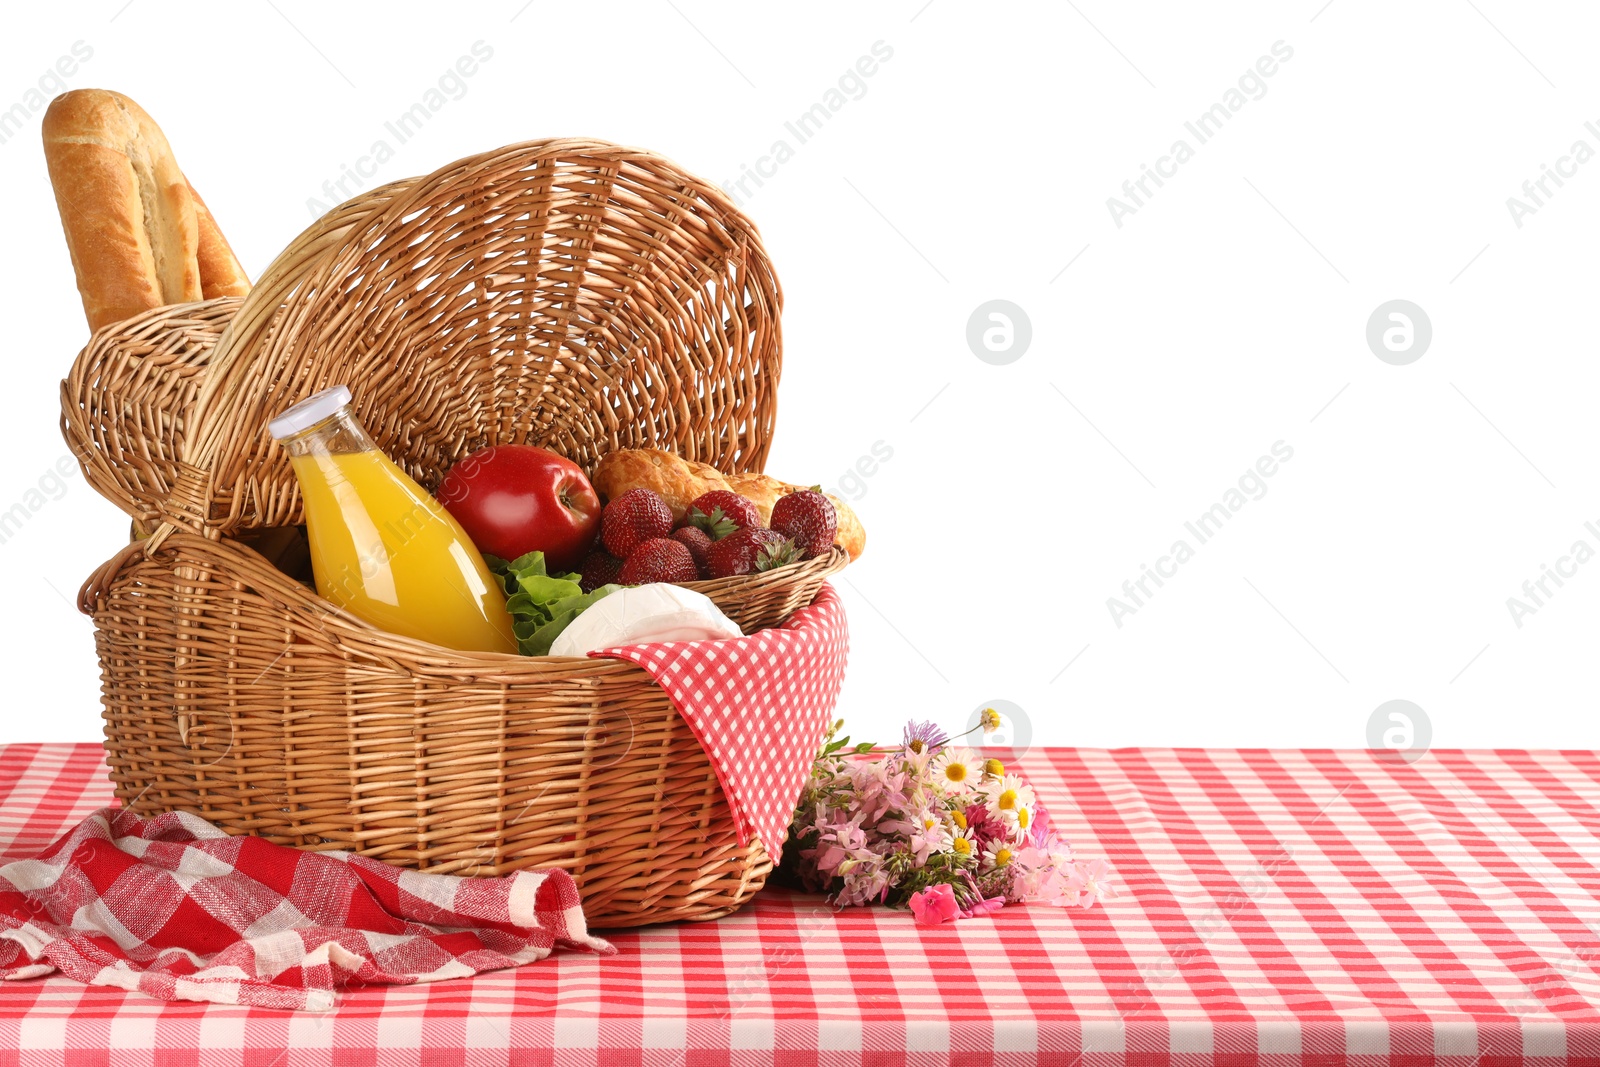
<point x="188" y="505"/>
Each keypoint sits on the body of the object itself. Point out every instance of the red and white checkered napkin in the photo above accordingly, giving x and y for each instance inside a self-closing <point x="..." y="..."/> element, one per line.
<point x="759" y="706"/>
<point x="176" y="908"/>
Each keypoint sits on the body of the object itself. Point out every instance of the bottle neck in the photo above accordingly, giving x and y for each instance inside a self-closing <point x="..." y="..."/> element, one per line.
<point x="337" y="434"/>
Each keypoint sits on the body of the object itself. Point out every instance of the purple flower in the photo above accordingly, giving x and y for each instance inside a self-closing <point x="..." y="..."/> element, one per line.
<point x="924" y="737"/>
<point x="865" y="880"/>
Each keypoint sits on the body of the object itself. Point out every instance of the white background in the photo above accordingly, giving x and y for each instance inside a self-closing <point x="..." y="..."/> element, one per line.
<point x="1227" y="314"/>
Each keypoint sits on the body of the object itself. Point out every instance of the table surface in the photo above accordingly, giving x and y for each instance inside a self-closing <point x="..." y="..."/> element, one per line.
<point x="1273" y="907"/>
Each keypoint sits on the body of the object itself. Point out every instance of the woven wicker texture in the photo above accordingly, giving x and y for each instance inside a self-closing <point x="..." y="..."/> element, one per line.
<point x="569" y="294"/>
<point x="765" y="598"/>
<point x="566" y="293"/>
<point x="125" y="406"/>
<point x="275" y="714"/>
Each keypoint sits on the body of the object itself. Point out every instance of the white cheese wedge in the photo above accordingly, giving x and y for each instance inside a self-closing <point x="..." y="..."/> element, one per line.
<point x="642" y="614"/>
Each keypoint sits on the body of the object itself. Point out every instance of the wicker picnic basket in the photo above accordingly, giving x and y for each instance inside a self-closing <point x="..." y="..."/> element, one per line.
<point x="572" y="294"/>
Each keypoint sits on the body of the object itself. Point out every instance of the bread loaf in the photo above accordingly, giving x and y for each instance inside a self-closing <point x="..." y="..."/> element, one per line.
<point x="138" y="235"/>
<point x="220" y="272"/>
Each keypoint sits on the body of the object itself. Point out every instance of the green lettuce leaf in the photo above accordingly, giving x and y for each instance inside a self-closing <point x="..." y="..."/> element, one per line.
<point x="541" y="604"/>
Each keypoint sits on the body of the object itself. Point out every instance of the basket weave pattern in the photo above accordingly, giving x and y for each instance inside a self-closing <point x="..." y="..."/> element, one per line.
<point x="282" y="717"/>
<point x="567" y="294"/>
<point x="570" y="294"/>
<point x="124" y="403"/>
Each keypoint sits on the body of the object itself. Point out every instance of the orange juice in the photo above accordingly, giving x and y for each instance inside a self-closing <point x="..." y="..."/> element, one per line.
<point x="381" y="547"/>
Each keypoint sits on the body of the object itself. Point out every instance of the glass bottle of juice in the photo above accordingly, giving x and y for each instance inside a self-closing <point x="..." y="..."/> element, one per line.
<point x="381" y="547"/>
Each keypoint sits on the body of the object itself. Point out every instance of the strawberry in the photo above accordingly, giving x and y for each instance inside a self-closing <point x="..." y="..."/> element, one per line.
<point x="697" y="541"/>
<point x="632" y="519"/>
<point x="660" y="559"/>
<point x="809" y="519"/>
<point x="599" y="568"/>
<point x="722" y="511"/>
<point x="755" y="548"/>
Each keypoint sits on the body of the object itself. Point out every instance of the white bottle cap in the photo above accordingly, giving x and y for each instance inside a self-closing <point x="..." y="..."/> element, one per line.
<point x="309" y="412"/>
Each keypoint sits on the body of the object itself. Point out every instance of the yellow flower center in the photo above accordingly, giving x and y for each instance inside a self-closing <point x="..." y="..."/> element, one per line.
<point x="960" y="818"/>
<point x="1007" y="800"/>
<point x="916" y="745"/>
<point x="956" y="772"/>
<point x="1002" y="857"/>
<point x="1023" y="818"/>
<point x="929" y="823"/>
<point x="962" y="846"/>
<point x="990" y="720"/>
<point x="994" y="767"/>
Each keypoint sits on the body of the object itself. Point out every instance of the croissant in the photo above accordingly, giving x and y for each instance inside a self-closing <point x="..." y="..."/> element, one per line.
<point x="677" y="480"/>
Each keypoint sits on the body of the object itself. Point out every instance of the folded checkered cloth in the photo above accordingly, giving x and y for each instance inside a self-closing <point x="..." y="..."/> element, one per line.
<point x="758" y="705"/>
<point x="175" y="908"/>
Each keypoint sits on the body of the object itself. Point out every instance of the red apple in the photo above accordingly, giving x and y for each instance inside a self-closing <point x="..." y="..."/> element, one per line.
<point x="514" y="499"/>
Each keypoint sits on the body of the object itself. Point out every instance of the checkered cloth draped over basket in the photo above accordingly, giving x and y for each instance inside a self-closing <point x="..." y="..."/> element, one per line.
<point x="761" y="728"/>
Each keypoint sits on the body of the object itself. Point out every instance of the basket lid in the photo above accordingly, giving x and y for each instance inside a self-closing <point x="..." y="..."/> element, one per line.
<point x="126" y="403"/>
<point x="572" y="294"/>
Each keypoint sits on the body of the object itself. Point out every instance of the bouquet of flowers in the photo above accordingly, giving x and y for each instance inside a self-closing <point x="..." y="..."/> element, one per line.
<point x="931" y="826"/>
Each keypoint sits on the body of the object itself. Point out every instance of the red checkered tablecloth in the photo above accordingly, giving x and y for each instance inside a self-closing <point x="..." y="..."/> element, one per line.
<point x="1273" y="908"/>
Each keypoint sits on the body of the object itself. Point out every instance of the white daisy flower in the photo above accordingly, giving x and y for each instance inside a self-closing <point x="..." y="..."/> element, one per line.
<point x="962" y="845"/>
<point x="1004" y="795"/>
<point x="1018" y="822"/>
<point x="996" y="855"/>
<point x="956" y="769"/>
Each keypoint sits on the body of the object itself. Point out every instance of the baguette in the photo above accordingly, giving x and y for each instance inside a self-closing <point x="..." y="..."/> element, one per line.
<point x="220" y="272"/>
<point x="129" y="215"/>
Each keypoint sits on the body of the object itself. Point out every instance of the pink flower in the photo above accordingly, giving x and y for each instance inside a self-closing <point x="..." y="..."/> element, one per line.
<point x="930" y="835"/>
<point x="865" y="880"/>
<point x="1040" y="836"/>
<point x="850" y="835"/>
<point x="828" y="858"/>
<point x="1094" y="877"/>
<point x="1031" y="868"/>
<point x="1065" y="888"/>
<point x="868" y="824"/>
<point x="1041" y="821"/>
<point x="984" y="907"/>
<point x="935" y="904"/>
<point x="984" y="826"/>
<point x="1048" y="875"/>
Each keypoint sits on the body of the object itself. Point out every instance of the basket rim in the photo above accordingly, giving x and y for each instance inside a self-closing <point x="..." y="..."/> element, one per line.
<point x="832" y="563"/>
<point x="387" y="644"/>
